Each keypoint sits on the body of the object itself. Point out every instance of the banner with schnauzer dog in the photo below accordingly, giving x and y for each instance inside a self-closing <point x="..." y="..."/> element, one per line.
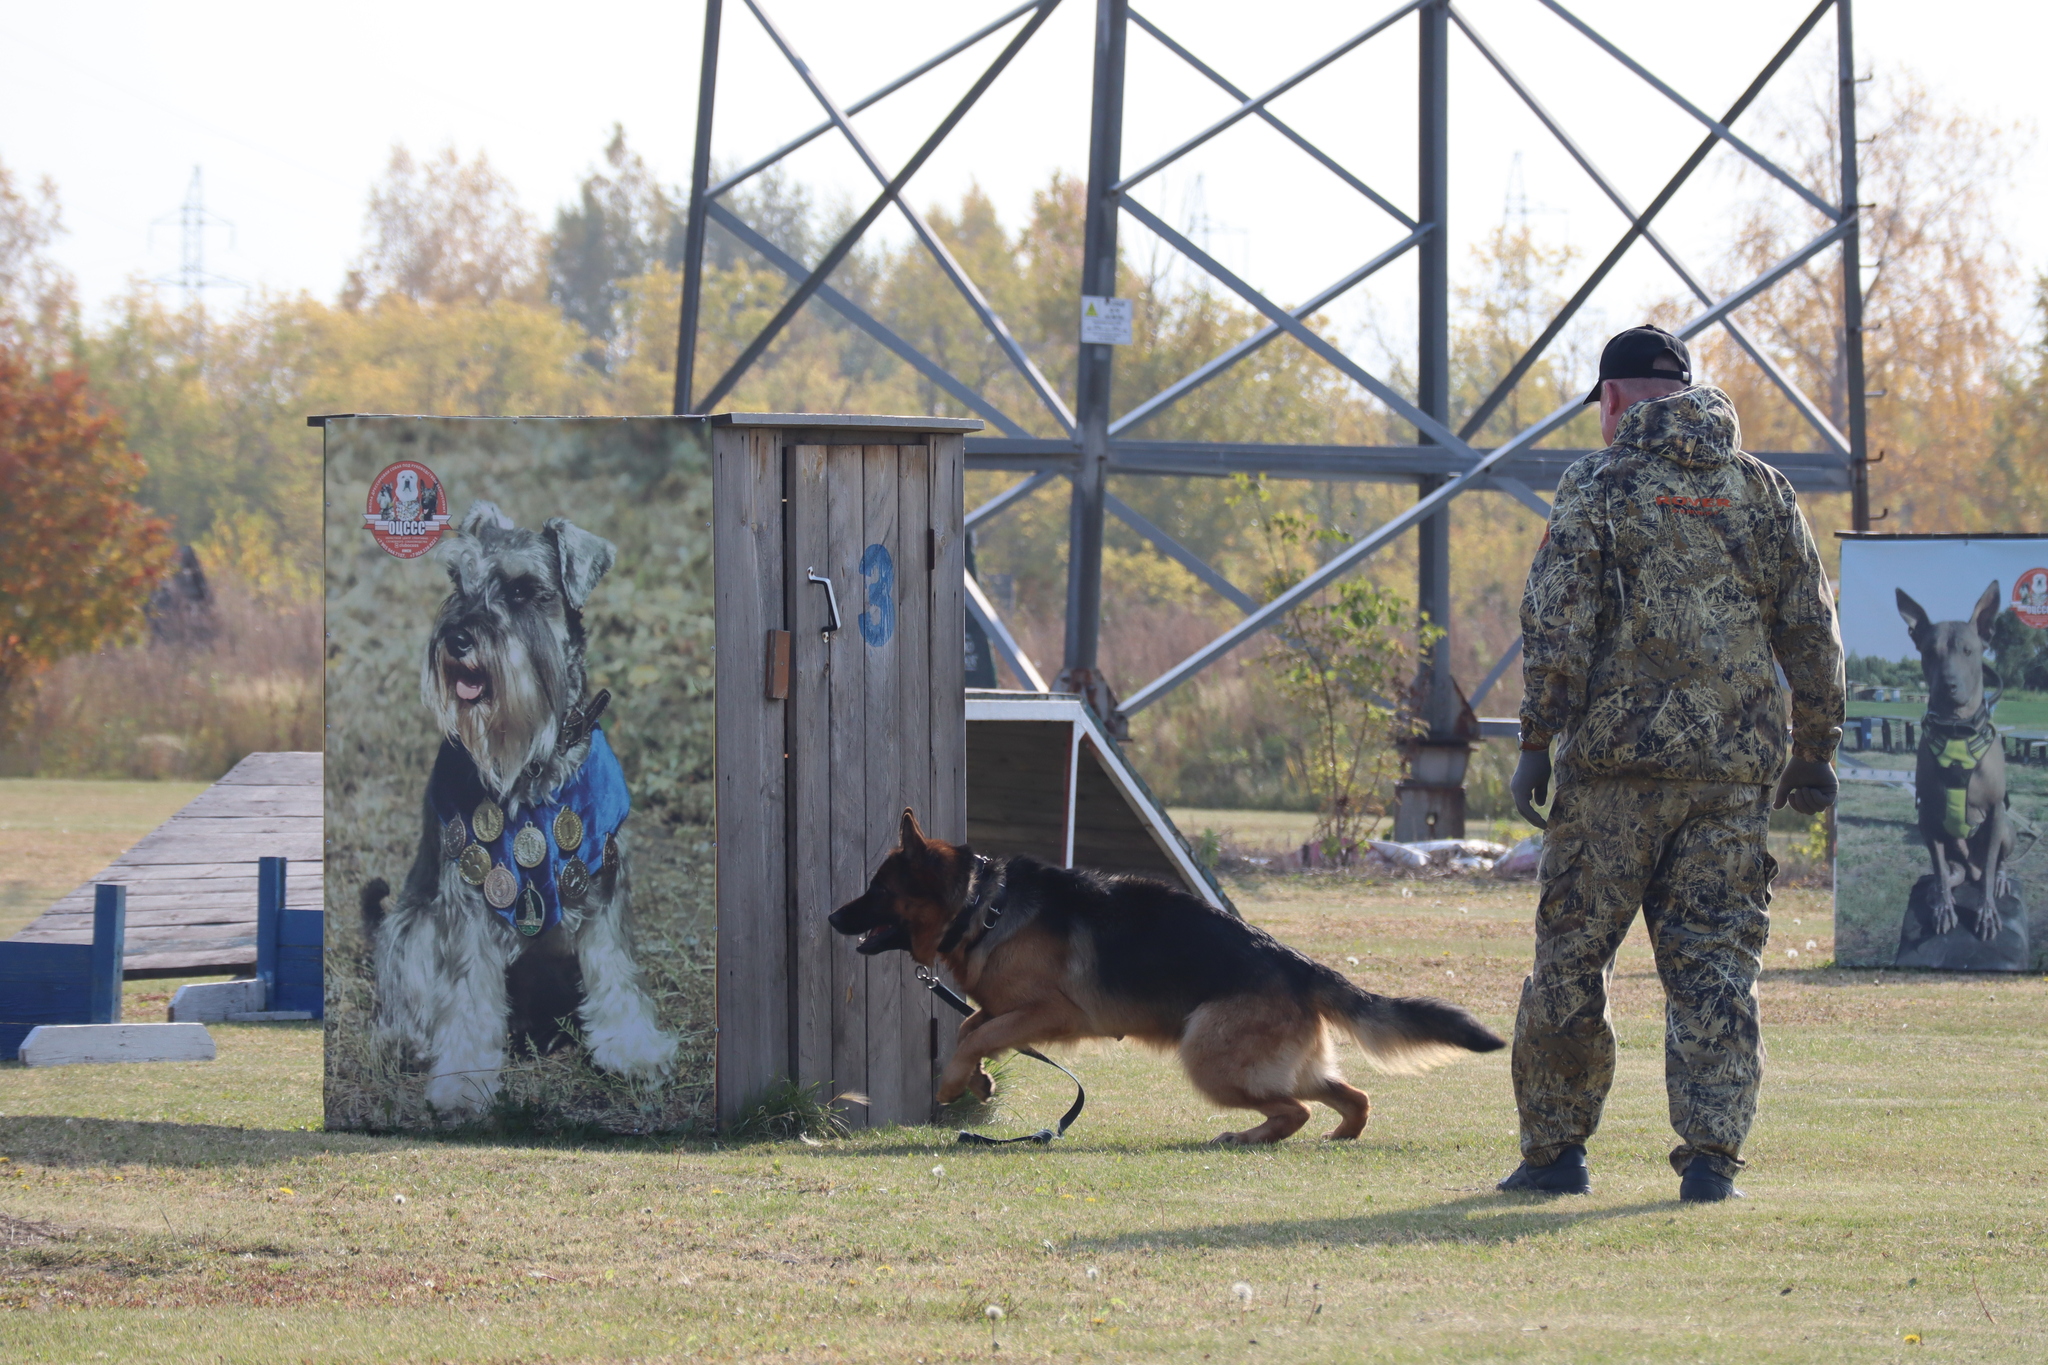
<point x="1944" y="763"/>
<point x="520" y="774"/>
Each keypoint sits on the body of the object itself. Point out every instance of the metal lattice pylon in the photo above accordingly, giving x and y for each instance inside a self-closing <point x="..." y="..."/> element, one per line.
<point x="1443" y="463"/>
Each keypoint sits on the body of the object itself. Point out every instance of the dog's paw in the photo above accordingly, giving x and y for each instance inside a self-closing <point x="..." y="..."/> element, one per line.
<point x="461" y="1094"/>
<point x="1944" y="910"/>
<point x="639" y="1054"/>
<point x="1987" y="922"/>
<point x="955" y="1083"/>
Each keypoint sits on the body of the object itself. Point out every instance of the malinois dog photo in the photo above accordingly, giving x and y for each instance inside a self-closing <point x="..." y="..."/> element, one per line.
<point x="1054" y="955"/>
<point x="1959" y="771"/>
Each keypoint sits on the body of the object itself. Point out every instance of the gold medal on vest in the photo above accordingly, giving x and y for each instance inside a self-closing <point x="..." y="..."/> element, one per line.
<point x="530" y="846"/>
<point x="474" y="864"/>
<point x="501" y="888"/>
<point x="568" y="831"/>
<point x="488" y="821"/>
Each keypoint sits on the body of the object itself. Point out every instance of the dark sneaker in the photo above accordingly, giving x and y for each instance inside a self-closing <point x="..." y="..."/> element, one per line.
<point x="1702" y="1184"/>
<point x="1566" y="1175"/>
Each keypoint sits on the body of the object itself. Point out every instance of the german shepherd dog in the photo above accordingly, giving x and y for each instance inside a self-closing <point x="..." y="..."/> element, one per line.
<point x="1056" y="954"/>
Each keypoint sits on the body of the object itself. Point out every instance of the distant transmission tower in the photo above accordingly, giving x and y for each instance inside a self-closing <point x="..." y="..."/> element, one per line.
<point x="193" y="220"/>
<point x="1514" y="209"/>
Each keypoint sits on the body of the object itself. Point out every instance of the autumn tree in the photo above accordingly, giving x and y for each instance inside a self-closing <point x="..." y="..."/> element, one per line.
<point x="443" y="231"/>
<point x="80" y="554"/>
<point x="622" y="226"/>
<point x="1938" y="269"/>
<point x="38" y="302"/>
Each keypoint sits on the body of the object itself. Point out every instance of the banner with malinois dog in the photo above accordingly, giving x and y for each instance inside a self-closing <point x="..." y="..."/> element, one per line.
<point x="1945" y="758"/>
<point x="519" y="770"/>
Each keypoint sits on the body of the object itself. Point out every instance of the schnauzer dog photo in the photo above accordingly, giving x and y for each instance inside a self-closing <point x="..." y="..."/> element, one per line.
<point x="519" y="882"/>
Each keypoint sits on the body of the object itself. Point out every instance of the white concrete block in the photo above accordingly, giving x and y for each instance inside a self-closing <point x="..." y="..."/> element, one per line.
<point x="209" y="1002"/>
<point x="69" y="1044"/>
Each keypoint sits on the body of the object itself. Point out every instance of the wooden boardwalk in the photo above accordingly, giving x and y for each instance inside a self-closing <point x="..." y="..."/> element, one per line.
<point x="192" y="880"/>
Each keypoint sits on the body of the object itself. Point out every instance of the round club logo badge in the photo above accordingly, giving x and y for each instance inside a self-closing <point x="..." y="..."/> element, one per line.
<point x="2030" y="598"/>
<point x="407" y="509"/>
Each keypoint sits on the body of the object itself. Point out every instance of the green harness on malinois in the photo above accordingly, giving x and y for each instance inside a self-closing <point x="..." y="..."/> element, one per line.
<point x="1957" y="747"/>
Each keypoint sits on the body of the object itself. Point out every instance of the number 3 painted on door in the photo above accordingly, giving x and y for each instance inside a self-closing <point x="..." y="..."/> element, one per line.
<point x="878" y="623"/>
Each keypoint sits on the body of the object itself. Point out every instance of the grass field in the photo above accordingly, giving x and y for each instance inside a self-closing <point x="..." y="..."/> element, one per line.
<point x="2016" y="709"/>
<point x="1898" y="1190"/>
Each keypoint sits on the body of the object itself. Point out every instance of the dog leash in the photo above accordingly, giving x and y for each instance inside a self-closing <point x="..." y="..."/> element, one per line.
<point x="1044" y="1136"/>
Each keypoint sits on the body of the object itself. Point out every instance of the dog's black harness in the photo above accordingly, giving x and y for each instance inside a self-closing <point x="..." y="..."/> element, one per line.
<point x="985" y="900"/>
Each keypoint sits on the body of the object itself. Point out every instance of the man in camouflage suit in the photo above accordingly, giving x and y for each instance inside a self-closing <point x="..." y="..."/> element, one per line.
<point x="1675" y="570"/>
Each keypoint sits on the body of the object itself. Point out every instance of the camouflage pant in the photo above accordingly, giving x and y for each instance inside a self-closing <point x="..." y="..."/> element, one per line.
<point x="1692" y="855"/>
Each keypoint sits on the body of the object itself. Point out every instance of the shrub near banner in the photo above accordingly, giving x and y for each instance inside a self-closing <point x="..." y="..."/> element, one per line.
<point x="487" y="582"/>
<point x="1945" y="760"/>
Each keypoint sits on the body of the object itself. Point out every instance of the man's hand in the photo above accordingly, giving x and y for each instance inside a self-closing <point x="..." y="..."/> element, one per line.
<point x="1531" y="785"/>
<point x="1808" y="785"/>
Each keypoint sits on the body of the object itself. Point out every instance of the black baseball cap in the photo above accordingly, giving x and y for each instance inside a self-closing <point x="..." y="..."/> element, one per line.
<point x="1634" y="355"/>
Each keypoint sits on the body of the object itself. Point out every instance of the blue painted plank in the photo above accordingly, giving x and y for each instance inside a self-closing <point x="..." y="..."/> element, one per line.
<point x="270" y="878"/>
<point x="303" y="927"/>
<point x="45" y="983"/>
<point x="109" y="934"/>
<point x="301" y="995"/>
<point x="11" y="1038"/>
<point x="301" y="982"/>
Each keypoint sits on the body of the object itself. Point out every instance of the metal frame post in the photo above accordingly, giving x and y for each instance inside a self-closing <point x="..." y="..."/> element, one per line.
<point x="1852" y="278"/>
<point x="1433" y="338"/>
<point x="1098" y="276"/>
<point x="1431" y="802"/>
<point x="700" y="207"/>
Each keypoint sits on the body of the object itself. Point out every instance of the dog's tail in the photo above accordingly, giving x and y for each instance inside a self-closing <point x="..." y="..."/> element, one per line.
<point x="373" y="906"/>
<point x="1403" y="1034"/>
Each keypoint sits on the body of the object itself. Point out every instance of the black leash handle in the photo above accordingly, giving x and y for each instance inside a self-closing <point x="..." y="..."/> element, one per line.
<point x="1044" y="1136"/>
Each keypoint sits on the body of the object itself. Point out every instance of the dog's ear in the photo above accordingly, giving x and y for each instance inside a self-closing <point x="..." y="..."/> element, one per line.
<point x="1914" y="614"/>
<point x="1986" y="612"/>
<point x="582" y="557"/>
<point x="483" y="516"/>
<point x="912" y="836"/>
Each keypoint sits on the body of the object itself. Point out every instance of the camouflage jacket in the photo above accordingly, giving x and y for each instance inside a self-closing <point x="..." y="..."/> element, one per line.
<point x="1675" y="568"/>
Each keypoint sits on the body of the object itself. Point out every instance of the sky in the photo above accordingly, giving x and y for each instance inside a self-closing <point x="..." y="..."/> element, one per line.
<point x="290" y="112"/>
<point x="1946" y="577"/>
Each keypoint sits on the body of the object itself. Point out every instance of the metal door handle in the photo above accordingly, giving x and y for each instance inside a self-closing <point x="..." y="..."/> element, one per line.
<point x="831" y="600"/>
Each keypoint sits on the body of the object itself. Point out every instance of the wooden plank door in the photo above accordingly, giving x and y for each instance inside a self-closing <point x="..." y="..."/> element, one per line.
<point x="863" y="746"/>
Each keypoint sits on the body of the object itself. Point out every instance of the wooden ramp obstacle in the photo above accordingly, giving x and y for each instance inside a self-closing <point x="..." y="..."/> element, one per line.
<point x="192" y="881"/>
<point x="60" y="1003"/>
<point x="1043" y="778"/>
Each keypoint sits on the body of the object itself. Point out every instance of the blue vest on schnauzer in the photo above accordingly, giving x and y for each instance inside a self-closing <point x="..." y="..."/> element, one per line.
<point x="596" y="792"/>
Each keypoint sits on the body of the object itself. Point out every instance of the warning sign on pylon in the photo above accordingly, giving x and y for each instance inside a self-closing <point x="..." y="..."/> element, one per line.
<point x="1105" y="322"/>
